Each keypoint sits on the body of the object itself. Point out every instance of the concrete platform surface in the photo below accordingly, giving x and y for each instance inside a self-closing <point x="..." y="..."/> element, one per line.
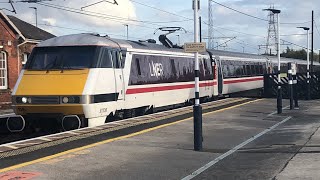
<point x="248" y="141"/>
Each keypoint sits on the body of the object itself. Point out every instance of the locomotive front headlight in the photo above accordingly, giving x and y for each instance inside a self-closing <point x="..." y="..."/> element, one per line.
<point x="65" y="100"/>
<point x="24" y="100"/>
<point x="71" y="100"/>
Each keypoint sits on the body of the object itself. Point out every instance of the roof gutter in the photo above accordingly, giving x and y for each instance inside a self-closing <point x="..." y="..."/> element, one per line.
<point x="12" y="25"/>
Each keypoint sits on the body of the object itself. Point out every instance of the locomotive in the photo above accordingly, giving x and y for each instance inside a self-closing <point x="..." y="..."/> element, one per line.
<point x="84" y="80"/>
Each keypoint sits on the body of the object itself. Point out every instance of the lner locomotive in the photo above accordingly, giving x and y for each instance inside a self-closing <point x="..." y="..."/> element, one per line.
<point x="86" y="79"/>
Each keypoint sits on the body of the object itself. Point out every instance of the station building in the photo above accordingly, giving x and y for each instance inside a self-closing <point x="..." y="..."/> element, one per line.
<point x="17" y="39"/>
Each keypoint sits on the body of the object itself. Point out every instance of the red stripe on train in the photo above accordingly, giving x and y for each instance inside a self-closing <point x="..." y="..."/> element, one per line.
<point x="242" y="80"/>
<point x="185" y="86"/>
<point x="166" y="88"/>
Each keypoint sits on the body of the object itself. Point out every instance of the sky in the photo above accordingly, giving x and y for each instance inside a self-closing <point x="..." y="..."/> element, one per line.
<point x="232" y="31"/>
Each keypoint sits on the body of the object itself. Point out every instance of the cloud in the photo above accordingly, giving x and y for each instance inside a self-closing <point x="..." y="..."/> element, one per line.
<point x="291" y="11"/>
<point x="49" y="21"/>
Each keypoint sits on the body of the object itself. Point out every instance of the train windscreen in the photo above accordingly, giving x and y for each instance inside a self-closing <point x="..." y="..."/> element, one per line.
<point x="73" y="57"/>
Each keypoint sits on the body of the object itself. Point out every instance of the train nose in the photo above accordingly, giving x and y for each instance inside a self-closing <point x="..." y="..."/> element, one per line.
<point x="16" y="123"/>
<point x="71" y="122"/>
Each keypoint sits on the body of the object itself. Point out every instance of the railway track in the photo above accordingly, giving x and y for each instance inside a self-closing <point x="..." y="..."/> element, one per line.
<point x="14" y="144"/>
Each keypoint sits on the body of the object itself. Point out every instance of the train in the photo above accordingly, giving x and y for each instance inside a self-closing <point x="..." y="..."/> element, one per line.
<point x="86" y="80"/>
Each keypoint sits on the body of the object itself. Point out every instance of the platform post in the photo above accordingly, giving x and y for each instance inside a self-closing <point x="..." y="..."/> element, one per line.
<point x="279" y="98"/>
<point x="197" y="110"/>
<point x="290" y="82"/>
<point x="308" y="67"/>
<point x="295" y="88"/>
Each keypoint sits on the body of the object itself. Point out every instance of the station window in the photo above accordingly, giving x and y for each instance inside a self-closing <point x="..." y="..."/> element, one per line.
<point x="3" y="70"/>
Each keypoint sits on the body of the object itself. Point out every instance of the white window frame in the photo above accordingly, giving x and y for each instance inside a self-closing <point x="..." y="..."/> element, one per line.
<point x="5" y="86"/>
<point x="25" y="58"/>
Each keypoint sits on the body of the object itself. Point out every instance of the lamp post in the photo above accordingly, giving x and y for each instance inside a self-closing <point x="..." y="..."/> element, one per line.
<point x="279" y="93"/>
<point x="178" y="39"/>
<point x="127" y="30"/>
<point x="36" y="12"/>
<point x="308" y="62"/>
<point x="197" y="109"/>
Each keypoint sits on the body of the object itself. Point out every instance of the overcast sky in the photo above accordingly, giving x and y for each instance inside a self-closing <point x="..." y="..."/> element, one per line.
<point x="111" y="19"/>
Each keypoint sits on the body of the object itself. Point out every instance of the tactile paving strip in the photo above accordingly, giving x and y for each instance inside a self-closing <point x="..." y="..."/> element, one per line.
<point x="25" y="146"/>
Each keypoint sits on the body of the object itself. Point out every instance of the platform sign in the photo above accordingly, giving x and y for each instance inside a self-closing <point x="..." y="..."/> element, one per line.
<point x="195" y="47"/>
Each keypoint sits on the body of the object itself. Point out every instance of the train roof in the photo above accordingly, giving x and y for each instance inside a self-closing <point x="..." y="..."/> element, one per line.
<point x="84" y="40"/>
<point x="87" y="39"/>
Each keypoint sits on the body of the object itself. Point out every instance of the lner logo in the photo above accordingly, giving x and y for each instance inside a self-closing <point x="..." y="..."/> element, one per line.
<point x="156" y="69"/>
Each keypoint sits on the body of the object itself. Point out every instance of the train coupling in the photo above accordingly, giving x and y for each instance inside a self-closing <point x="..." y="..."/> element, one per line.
<point x="16" y="123"/>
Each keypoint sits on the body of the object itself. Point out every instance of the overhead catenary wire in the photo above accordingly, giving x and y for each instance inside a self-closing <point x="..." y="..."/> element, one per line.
<point x="252" y="16"/>
<point x="122" y="20"/>
<point x="116" y="17"/>
<point x="86" y="31"/>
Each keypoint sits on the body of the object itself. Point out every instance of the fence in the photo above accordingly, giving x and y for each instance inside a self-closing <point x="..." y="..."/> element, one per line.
<point x="271" y="83"/>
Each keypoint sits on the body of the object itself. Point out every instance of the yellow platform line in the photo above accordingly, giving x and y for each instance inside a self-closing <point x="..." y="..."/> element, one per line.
<point x="113" y="139"/>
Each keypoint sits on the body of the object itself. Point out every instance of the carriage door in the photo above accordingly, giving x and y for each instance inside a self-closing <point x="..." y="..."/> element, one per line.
<point x="220" y="76"/>
<point x="118" y="74"/>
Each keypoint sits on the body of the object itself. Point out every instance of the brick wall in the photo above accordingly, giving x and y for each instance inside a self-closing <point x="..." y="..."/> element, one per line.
<point x="9" y="40"/>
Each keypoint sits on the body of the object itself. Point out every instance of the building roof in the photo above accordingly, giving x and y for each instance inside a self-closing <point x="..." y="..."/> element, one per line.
<point x="29" y="31"/>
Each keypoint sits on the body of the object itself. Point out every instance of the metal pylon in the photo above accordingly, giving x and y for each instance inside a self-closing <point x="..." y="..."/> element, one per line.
<point x="271" y="45"/>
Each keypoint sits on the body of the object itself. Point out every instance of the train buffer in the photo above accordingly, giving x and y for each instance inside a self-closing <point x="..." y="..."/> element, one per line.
<point x="242" y="139"/>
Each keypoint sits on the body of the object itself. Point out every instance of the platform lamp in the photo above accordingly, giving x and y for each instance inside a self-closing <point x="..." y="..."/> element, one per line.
<point x="279" y="92"/>
<point x="308" y="62"/>
<point x="36" y="13"/>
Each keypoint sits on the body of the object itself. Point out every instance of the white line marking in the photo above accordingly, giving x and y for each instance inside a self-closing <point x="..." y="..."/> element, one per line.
<point x="275" y="112"/>
<point x="6" y="115"/>
<point x="215" y="161"/>
<point x="10" y="146"/>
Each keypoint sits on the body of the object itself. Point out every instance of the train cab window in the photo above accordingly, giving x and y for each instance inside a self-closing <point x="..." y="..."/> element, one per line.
<point x="138" y="66"/>
<point x="122" y="57"/>
<point x="115" y="59"/>
<point x="106" y="60"/>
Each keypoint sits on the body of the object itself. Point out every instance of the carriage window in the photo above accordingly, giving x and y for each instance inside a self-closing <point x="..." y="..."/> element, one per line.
<point x="174" y="70"/>
<point x="248" y="70"/>
<point x="257" y="69"/>
<point x="244" y="70"/>
<point x="253" y="70"/>
<point x="138" y="66"/>
<point x="238" y="71"/>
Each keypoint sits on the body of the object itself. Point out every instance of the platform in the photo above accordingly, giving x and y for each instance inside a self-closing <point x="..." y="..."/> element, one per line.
<point x="247" y="141"/>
